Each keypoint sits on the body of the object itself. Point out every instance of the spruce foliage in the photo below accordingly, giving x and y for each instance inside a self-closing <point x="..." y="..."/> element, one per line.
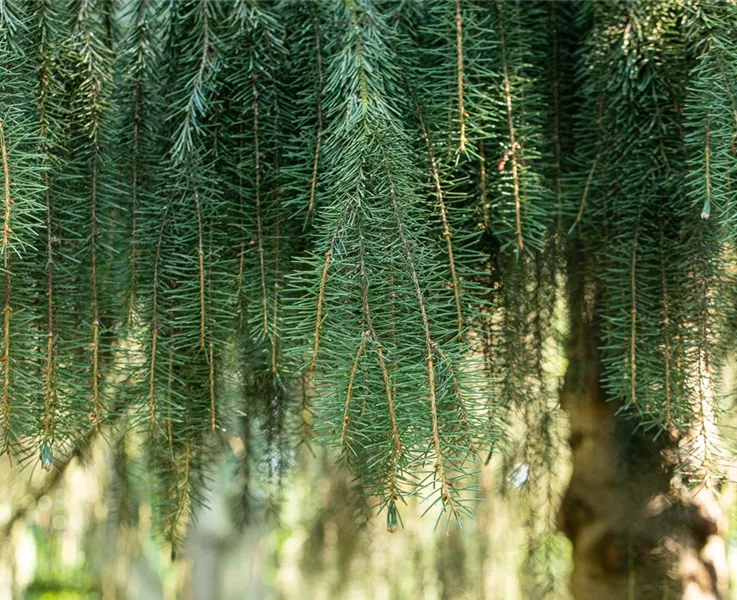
<point x="243" y="225"/>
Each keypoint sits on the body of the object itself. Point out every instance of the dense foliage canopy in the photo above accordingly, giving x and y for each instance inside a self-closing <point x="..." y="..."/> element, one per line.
<point x="227" y="223"/>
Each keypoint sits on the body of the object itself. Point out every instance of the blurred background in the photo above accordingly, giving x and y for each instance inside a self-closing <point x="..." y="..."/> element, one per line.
<point x="83" y="530"/>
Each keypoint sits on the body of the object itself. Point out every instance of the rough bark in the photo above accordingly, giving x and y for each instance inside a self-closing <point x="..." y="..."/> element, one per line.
<point x="636" y="532"/>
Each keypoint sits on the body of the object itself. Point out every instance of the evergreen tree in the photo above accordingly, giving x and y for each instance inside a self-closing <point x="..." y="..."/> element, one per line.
<point x="252" y="223"/>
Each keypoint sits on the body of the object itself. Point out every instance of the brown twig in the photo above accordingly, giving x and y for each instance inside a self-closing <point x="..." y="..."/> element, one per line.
<point x="349" y="391"/>
<point x="7" y="311"/>
<point x="445" y="483"/>
<point x="633" y="334"/>
<point x="459" y="72"/>
<point x="318" y="102"/>
<point x="201" y="260"/>
<point x="514" y="146"/>
<point x="443" y="214"/>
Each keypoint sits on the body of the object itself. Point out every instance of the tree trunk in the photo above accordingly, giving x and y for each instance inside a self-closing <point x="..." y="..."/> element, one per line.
<point x="636" y="532"/>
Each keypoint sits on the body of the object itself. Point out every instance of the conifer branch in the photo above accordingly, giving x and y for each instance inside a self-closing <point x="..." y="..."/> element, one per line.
<point x="446" y="233"/>
<point x="321" y="293"/>
<point x="514" y="146"/>
<point x="459" y="75"/>
<point x="482" y="184"/>
<point x="585" y="195"/>
<point x="275" y="306"/>
<point x="92" y="57"/>
<point x="666" y="329"/>
<point x="447" y="492"/>
<point x="201" y="261"/>
<point x="169" y="394"/>
<point x="96" y="403"/>
<point x="320" y="301"/>
<point x="134" y="193"/>
<point x="105" y="233"/>
<point x="318" y="106"/>
<point x="257" y="194"/>
<point x="462" y="409"/>
<point x="7" y="310"/>
<point x="555" y="88"/>
<point x="633" y="313"/>
<point x="211" y="386"/>
<point x="706" y="211"/>
<point x="349" y="392"/>
<point x="184" y="495"/>
<point x="242" y="247"/>
<point x="194" y="105"/>
<point x="155" y="319"/>
<point x="396" y="440"/>
<point x="41" y="101"/>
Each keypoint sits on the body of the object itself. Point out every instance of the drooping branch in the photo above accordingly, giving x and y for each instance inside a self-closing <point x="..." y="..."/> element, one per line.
<point x="155" y="319"/>
<point x="7" y="310"/>
<point x="368" y="319"/>
<point x="349" y="392"/>
<point x="514" y="147"/>
<point x="447" y="492"/>
<point x="201" y="270"/>
<point x="459" y="75"/>
<point x="318" y="106"/>
<point x="257" y="196"/>
<point x="446" y="233"/>
<point x="633" y="313"/>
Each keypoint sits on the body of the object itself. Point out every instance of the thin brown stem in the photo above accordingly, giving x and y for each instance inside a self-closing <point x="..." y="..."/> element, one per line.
<point x="201" y="259"/>
<point x="169" y="394"/>
<point x="459" y="73"/>
<point x="482" y="184"/>
<point x="276" y="210"/>
<point x="96" y="402"/>
<point x="49" y="362"/>
<point x="462" y="410"/>
<point x="349" y="392"/>
<point x="633" y="331"/>
<point x="155" y="320"/>
<point x="707" y="168"/>
<point x="213" y="411"/>
<point x="666" y="329"/>
<point x="275" y="307"/>
<point x="318" y="103"/>
<point x="185" y="494"/>
<point x="514" y="146"/>
<point x="134" y="195"/>
<point x="7" y="311"/>
<point x="443" y="213"/>
<point x="430" y="345"/>
<point x="555" y="63"/>
<point x="321" y="293"/>
<point x="241" y="232"/>
<point x="257" y="194"/>
<point x="585" y="195"/>
<point x="320" y="302"/>
<point x="368" y="318"/>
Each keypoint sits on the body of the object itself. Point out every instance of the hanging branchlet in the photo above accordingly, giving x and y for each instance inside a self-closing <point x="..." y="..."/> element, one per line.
<point x="459" y="75"/>
<point x="200" y="52"/>
<point x="93" y="58"/>
<point x="7" y="310"/>
<point x="633" y="313"/>
<point x="318" y="105"/>
<point x="710" y="127"/>
<point x="513" y="153"/>
<point x="139" y="60"/>
<point x="446" y="233"/>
